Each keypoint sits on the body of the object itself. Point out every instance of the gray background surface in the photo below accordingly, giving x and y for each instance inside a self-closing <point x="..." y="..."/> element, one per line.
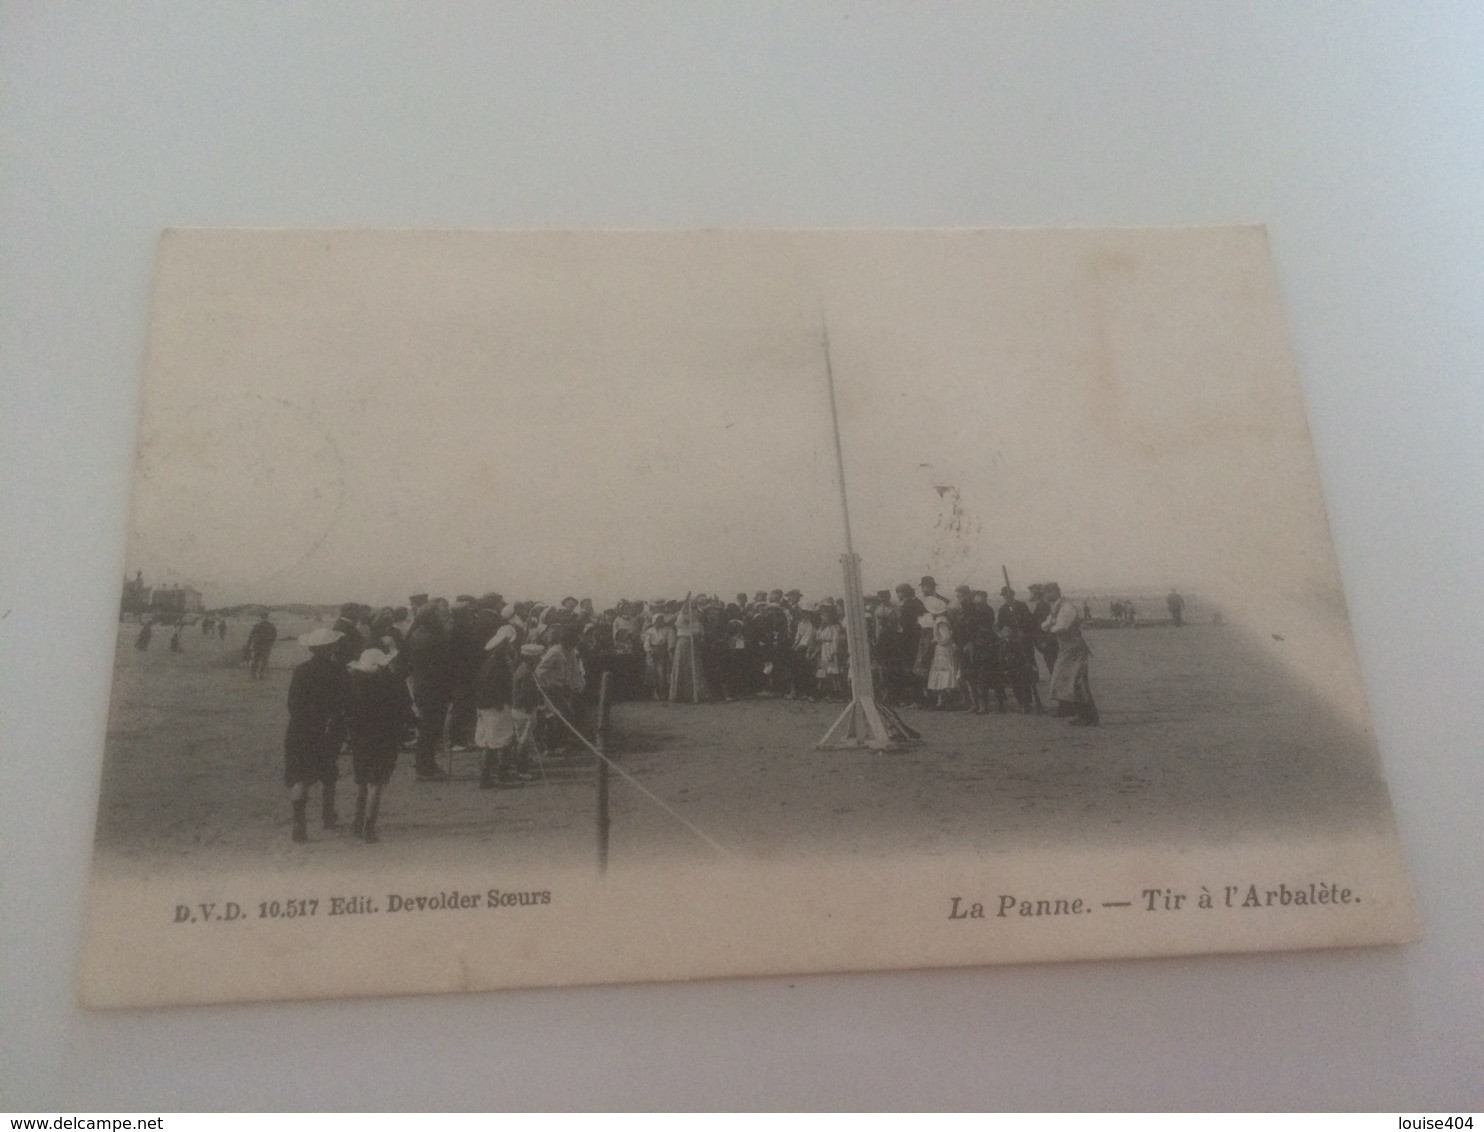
<point x="1355" y="133"/>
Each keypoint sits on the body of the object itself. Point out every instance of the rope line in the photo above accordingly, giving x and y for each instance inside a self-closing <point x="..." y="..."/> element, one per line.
<point x="722" y="849"/>
<point x="547" y="794"/>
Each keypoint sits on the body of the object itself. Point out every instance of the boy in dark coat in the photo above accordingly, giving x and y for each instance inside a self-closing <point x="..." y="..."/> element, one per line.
<point x="377" y="710"/>
<point x="311" y="744"/>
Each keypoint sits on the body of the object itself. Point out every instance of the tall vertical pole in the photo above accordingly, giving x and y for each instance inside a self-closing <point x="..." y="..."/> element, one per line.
<point x="864" y="723"/>
<point x="829" y="372"/>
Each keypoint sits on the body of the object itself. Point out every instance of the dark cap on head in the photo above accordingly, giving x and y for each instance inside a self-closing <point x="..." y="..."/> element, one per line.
<point x="417" y="599"/>
<point x="927" y="580"/>
<point x="1006" y="591"/>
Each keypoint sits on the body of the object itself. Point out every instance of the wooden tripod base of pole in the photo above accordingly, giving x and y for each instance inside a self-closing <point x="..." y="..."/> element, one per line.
<point x="865" y="723"/>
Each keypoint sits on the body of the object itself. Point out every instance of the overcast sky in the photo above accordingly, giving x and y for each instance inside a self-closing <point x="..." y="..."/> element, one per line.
<point x="362" y="415"/>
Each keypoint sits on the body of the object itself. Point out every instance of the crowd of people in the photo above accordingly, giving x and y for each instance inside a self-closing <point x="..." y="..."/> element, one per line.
<point x="509" y="680"/>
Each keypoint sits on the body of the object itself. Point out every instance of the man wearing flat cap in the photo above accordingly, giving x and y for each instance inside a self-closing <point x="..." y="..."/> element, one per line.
<point x="963" y="597"/>
<point x="352" y="641"/>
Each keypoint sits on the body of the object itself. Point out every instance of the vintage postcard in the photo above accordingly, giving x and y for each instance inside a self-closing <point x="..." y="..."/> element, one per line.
<point x="531" y="608"/>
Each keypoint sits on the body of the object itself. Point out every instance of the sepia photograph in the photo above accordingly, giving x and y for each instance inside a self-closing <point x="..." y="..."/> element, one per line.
<point x="519" y="608"/>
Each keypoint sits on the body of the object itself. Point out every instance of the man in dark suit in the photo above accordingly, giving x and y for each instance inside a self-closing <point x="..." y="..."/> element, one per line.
<point x="1019" y="625"/>
<point x="911" y="683"/>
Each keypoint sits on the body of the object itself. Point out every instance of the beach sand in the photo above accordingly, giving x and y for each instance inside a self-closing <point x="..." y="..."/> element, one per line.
<point x="1205" y="740"/>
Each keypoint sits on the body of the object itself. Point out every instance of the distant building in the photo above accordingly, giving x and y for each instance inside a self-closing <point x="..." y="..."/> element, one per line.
<point x="170" y="603"/>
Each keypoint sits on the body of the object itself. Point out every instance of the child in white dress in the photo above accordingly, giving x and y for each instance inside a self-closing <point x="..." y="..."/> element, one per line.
<point x="944" y="674"/>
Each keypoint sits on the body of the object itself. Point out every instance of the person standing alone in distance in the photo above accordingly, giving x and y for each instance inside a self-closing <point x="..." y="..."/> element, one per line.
<point x="1176" y="605"/>
<point x="259" y="645"/>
